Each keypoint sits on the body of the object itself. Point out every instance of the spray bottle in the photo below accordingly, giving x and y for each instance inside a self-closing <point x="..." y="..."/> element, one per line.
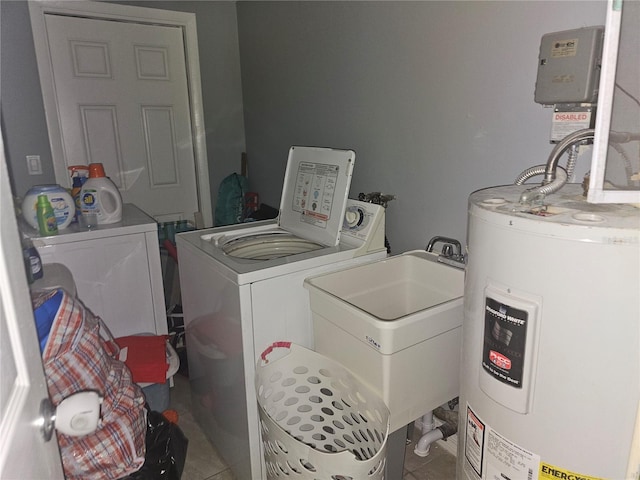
<point x="100" y="196"/>
<point x="79" y="175"/>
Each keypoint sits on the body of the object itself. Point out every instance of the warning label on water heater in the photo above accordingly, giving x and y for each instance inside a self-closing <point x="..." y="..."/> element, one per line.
<point x="505" y="336"/>
<point x="474" y="441"/>
<point x="492" y="456"/>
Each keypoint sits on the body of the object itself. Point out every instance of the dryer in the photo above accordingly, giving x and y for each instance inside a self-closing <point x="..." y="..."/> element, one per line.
<point x="242" y="290"/>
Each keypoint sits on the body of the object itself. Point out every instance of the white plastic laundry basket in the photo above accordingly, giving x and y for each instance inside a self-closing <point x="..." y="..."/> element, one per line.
<point x="318" y="421"/>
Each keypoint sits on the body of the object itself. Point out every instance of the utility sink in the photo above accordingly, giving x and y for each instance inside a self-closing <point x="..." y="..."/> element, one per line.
<point x="395" y="323"/>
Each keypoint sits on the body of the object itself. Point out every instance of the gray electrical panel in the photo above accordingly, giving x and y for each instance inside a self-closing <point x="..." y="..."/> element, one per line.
<point x="569" y="66"/>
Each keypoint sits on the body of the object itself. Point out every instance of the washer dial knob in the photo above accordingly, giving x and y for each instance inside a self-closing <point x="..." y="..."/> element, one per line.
<point x="354" y="218"/>
<point x="351" y="218"/>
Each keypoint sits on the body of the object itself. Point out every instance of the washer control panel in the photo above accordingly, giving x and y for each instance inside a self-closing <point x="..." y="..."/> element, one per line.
<point x="361" y="219"/>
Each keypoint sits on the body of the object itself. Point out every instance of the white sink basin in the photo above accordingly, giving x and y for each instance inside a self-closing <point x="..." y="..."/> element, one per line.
<point x="394" y="303"/>
<point x="397" y="324"/>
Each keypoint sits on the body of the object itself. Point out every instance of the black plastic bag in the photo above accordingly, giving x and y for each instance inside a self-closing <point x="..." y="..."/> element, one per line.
<point x="166" y="450"/>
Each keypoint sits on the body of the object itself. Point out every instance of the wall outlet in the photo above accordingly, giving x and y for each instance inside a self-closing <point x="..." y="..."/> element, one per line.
<point x="34" y="166"/>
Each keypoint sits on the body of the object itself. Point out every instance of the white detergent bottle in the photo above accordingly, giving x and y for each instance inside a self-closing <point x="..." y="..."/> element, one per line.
<point x="100" y="196"/>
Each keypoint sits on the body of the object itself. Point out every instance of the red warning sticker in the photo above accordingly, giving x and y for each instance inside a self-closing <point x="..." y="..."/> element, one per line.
<point x="499" y="360"/>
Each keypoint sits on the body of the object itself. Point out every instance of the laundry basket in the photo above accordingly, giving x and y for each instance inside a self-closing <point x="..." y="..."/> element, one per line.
<point x="318" y="421"/>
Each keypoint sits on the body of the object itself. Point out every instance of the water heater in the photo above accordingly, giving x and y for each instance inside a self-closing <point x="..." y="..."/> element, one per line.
<point x="550" y="382"/>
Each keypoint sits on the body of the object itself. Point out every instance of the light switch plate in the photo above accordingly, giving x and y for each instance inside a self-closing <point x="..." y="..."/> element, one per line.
<point x="34" y="167"/>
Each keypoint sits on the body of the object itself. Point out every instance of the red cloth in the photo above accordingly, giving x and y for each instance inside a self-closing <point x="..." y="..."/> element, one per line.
<point x="146" y="357"/>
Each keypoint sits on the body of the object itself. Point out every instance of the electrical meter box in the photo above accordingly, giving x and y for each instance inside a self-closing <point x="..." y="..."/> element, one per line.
<point x="569" y="66"/>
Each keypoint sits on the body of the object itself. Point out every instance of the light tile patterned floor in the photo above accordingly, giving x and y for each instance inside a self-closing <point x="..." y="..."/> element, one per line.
<point x="204" y="463"/>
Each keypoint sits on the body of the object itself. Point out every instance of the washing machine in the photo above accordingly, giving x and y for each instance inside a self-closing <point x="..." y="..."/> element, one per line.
<point x="242" y="290"/>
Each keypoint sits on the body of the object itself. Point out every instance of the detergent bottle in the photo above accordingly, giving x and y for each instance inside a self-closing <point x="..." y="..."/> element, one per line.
<point x="100" y="196"/>
<point x="79" y="175"/>
<point x="59" y="199"/>
<point x="47" y="223"/>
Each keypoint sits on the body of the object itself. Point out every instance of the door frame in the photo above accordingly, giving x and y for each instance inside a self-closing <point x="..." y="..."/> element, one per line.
<point x="110" y="11"/>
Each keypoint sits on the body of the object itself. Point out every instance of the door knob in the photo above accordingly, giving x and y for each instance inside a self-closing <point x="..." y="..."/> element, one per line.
<point x="76" y="415"/>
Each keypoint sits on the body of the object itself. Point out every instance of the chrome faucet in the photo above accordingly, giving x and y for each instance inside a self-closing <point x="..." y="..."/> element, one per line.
<point x="451" y="252"/>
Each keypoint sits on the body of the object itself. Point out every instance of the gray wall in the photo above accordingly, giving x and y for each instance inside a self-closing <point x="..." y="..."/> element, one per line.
<point x="436" y="98"/>
<point x="22" y="110"/>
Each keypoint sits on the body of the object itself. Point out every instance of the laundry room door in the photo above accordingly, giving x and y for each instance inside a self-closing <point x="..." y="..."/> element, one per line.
<point x="122" y="98"/>
<point x="24" y="452"/>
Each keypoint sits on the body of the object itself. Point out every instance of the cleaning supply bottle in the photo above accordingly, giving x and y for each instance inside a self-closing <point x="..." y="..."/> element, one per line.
<point x="47" y="223"/>
<point x="60" y="200"/>
<point x="79" y="175"/>
<point x="100" y="196"/>
<point x="32" y="260"/>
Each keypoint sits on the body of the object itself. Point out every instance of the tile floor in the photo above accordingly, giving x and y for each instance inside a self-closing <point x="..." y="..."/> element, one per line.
<point x="203" y="462"/>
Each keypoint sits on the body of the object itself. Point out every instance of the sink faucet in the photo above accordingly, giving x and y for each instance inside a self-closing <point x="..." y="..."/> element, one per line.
<point x="447" y="248"/>
<point x="451" y="250"/>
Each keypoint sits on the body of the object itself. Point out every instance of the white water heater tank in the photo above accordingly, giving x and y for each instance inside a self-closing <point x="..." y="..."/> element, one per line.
<point x="550" y="374"/>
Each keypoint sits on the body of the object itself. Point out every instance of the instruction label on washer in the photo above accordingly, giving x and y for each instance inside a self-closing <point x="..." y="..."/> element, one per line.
<point x="494" y="457"/>
<point x="314" y="192"/>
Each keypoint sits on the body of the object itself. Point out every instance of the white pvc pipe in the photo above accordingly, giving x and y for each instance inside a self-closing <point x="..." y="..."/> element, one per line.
<point x="428" y="423"/>
<point x="424" y="444"/>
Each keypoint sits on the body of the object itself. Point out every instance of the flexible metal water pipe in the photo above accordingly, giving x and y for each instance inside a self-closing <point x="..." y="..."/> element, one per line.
<point x="535" y="193"/>
<point x="554" y="176"/>
<point x="559" y="149"/>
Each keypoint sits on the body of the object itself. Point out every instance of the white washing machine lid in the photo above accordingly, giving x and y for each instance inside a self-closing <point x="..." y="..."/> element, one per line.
<point x="315" y="191"/>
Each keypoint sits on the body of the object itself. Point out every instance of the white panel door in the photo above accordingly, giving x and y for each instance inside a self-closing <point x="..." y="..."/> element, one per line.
<point x="123" y="101"/>
<point x="24" y="453"/>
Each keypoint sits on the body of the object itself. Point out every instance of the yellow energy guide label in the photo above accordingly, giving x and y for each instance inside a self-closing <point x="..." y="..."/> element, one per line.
<point x="550" y="472"/>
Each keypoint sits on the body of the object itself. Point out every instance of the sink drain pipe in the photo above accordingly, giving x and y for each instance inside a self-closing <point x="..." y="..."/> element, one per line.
<point x="431" y="434"/>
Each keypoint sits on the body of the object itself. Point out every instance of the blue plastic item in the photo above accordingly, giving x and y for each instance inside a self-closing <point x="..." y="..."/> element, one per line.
<point x="45" y="315"/>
